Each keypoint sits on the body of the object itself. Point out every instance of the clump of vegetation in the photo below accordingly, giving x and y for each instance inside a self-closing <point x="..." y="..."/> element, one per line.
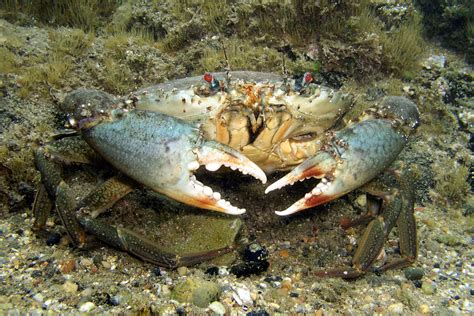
<point x="247" y="56"/>
<point x="402" y="48"/>
<point x="183" y="35"/>
<point x="118" y="77"/>
<point x="84" y="14"/>
<point x="452" y="186"/>
<point x="73" y="42"/>
<point x="8" y="62"/>
<point x="39" y="74"/>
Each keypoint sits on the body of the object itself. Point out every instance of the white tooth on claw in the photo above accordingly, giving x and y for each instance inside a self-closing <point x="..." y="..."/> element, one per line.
<point x="308" y="196"/>
<point x="216" y="195"/>
<point x="316" y="191"/>
<point x="194" y="165"/>
<point x="213" y="166"/>
<point x="324" y="180"/>
<point x="207" y="191"/>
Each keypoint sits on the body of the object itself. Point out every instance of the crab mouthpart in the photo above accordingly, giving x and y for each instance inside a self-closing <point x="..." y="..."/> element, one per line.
<point x="320" y="166"/>
<point x="212" y="155"/>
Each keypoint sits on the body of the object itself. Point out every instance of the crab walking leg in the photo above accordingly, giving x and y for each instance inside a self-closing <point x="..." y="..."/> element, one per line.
<point x="42" y="207"/>
<point x="51" y="176"/>
<point x="406" y="224"/>
<point x="143" y="248"/>
<point x="66" y="207"/>
<point x="396" y="209"/>
<point x="163" y="152"/>
<point x="106" y="195"/>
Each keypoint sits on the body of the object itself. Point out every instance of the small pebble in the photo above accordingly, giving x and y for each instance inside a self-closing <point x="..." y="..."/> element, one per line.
<point x="396" y="308"/>
<point x="242" y="296"/>
<point x="255" y="252"/>
<point x="116" y="300"/>
<point x="38" y="297"/>
<point x="361" y="200"/>
<point x="87" y="292"/>
<point x="47" y="303"/>
<point x="86" y="262"/>
<point x="156" y="271"/>
<point x="53" y="239"/>
<point x="165" y="290"/>
<point x="248" y="268"/>
<point x="424" y="309"/>
<point x="87" y="307"/>
<point x="106" y="264"/>
<point x="68" y="266"/>
<point x="414" y="273"/>
<point x="217" y="307"/>
<point x="428" y="287"/>
<point x="182" y="271"/>
<point x="212" y="271"/>
<point x="70" y="287"/>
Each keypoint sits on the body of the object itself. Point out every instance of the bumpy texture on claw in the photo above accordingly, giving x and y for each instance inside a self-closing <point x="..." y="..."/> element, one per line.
<point x="162" y="152"/>
<point x="354" y="155"/>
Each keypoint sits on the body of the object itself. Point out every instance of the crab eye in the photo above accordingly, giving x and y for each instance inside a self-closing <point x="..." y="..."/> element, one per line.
<point x="208" y="77"/>
<point x="308" y="77"/>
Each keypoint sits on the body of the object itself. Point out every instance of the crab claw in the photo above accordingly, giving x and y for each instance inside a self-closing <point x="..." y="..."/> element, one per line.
<point x="353" y="156"/>
<point x="319" y="166"/>
<point x="213" y="155"/>
<point x="162" y="152"/>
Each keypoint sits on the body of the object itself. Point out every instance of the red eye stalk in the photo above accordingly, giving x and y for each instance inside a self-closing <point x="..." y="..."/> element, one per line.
<point x="308" y="77"/>
<point x="208" y="77"/>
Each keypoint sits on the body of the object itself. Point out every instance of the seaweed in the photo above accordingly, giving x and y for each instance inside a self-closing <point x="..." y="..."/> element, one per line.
<point x="74" y="42"/>
<point x="242" y="55"/>
<point x="85" y="14"/>
<point x="402" y="48"/>
<point x="452" y="187"/>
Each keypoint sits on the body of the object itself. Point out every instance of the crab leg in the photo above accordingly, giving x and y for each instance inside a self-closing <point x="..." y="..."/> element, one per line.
<point x="121" y="238"/>
<point x="396" y="208"/>
<point x="353" y="156"/>
<point x="143" y="248"/>
<point x="163" y="152"/>
<point x="51" y="176"/>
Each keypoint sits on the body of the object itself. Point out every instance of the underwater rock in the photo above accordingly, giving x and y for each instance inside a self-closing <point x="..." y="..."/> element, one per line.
<point x="256" y="261"/>
<point x="53" y="239"/>
<point x="435" y="61"/>
<point x="413" y="273"/>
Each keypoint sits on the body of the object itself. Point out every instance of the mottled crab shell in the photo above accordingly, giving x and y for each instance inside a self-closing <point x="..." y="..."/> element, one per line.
<point x="234" y="115"/>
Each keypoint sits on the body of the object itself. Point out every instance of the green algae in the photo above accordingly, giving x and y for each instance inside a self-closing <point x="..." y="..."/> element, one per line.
<point x="452" y="187"/>
<point x="85" y="14"/>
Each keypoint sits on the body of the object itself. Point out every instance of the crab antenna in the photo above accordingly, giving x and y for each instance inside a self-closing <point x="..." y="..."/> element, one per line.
<point x="283" y="68"/>
<point x="285" y="72"/>
<point x="227" y="67"/>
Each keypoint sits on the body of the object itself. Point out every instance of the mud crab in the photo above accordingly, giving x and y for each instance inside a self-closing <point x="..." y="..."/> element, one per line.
<point x="254" y="122"/>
